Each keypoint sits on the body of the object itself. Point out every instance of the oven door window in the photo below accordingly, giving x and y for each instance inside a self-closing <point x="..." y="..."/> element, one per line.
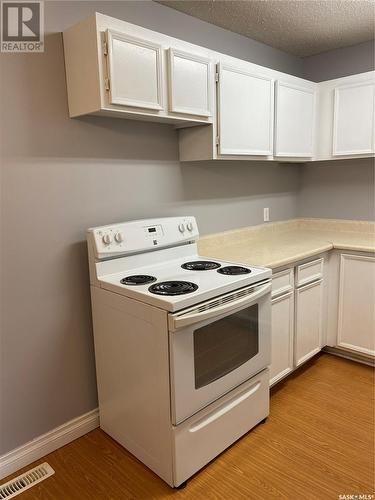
<point x="224" y="345"/>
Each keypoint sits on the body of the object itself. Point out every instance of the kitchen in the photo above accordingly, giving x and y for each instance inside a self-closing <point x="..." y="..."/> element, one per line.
<point x="292" y="191"/>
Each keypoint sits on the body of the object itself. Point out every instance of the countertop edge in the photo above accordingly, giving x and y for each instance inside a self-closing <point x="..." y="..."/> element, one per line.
<point x="354" y="248"/>
<point x="299" y="257"/>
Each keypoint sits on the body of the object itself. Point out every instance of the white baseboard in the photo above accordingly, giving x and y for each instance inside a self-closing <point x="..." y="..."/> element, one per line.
<point x="352" y="355"/>
<point x="47" y="443"/>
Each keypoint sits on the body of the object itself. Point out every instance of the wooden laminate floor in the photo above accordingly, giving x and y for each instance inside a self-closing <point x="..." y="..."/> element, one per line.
<point x="317" y="444"/>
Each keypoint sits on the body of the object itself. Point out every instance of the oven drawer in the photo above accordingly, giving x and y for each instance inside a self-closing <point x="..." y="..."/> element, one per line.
<point x="309" y="272"/>
<point x="282" y="282"/>
<point x="203" y="436"/>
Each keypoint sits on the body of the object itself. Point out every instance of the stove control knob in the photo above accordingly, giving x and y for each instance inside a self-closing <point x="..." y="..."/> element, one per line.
<point x="107" y="239"/>
<point x="181" y="228"/>
<point x="189" y="226"/>
<point x="119" y="237"/>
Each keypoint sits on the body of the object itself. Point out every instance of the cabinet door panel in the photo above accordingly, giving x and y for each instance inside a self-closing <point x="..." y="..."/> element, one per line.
<point x="134" y="68"/>
<point x="282" y="336"/>
<point x="245" y="113"/>
<point x="294" y="120"/>
<point x="353" y="121"/>
<point x="308" y="336"/>
<point x="190" y="84"/>
<point x="356" y="325"/>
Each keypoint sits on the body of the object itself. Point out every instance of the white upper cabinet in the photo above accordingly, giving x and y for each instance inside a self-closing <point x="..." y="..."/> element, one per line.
<point x="295" y="115"/>
<point x="346" y="113"/>
<point x="115" y="68"/>
<point x="245" y="109"/>
<point x="353" y="119"/>
<point x="135" y="71"/>
<point x="190" y="83"/>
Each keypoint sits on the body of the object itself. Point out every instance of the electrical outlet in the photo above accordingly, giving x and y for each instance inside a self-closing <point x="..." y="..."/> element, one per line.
<point x="266" y="214"/>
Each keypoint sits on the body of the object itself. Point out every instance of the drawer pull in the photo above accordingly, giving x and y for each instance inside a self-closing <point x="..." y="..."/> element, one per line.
<point x="222" y="411"/>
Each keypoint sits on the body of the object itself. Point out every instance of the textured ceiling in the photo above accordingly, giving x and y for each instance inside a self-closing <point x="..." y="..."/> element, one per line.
<point x="300" y="27"/>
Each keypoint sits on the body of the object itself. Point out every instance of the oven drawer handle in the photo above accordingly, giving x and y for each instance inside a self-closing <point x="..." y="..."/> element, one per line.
<point x="177" y="322"/>
<point x="232" y="404"/>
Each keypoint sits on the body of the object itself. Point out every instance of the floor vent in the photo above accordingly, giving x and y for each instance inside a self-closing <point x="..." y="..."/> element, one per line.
<point x="25" y="481"/>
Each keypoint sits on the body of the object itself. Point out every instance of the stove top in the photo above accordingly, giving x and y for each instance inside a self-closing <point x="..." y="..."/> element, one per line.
<point x="156" y="262"/>
<point x="177" y="282"/>
<point x="200" y="265"/>
<point x="173" y="288"/>
<point x="137" y="279"/>
<point x="234" y="270"/>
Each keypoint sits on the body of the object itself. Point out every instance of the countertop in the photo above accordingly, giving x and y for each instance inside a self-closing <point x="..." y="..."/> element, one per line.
<point x="278" y="244"/>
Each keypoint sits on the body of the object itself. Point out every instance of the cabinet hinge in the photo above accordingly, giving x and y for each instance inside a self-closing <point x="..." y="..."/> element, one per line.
<point x="216" y="77"/>
<point x="217" y="141"/>
<point x="105" y="48"/>
<point x="107" y="83"/>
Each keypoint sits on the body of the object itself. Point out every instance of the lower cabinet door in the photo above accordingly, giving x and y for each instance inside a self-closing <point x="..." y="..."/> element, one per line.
<point x="308" y="328"/>
<point x="282" y="336"/>
<point x="356" y="325"/>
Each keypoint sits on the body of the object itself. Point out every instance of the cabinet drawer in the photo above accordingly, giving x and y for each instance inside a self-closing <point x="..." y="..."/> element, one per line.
<point x="202" y="437"/>
<point x="308" y="272"/>
<point x="282" y="282"/>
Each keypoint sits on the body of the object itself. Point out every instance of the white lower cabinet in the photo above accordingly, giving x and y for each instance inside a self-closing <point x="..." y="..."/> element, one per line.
<point x="297" y="314"/>
<point x="308" y="321"/>
<point x="309" y="312"/>
<point x="282" y="336"/>
<point x="356" y="311"/>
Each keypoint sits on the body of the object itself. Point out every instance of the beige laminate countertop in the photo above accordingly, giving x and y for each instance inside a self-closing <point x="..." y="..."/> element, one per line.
<point x="281" y="243"/>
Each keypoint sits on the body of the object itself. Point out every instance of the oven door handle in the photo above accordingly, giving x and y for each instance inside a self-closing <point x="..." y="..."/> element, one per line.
<point x="177" y="322"/>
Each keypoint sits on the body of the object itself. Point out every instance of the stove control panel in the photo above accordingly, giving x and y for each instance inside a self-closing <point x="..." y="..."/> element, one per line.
<point x="141" y="236"/>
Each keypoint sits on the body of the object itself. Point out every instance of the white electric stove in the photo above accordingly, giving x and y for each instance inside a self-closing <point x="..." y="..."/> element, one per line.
<point x="182" y="344"/>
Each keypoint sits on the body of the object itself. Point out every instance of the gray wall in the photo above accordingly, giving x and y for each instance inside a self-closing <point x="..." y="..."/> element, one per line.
<point x="340" y="62"/>
<point x="342" y="189"/>
<point x="60" y="176"/>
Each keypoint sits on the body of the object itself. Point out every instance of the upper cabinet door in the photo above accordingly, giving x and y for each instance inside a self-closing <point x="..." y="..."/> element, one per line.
<point x="353" y="119"/>
<point x="190" y="84"/>
<point x="245" y="112"/>
<point x="294" y="120"/>
<point x="135" y="72"/>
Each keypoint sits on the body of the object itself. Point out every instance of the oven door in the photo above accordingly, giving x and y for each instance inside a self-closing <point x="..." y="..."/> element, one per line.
<point x="217" y="345"/>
